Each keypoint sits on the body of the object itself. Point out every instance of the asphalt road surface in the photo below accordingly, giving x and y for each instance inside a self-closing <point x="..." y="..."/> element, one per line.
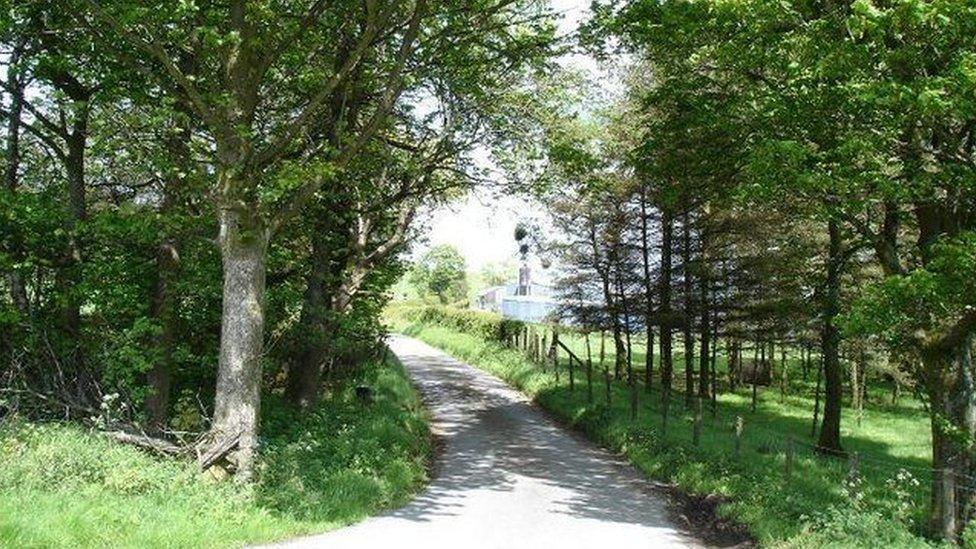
<point x="509" y="477"/>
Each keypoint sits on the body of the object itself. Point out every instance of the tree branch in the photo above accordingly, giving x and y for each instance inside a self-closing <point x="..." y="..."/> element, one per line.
<point x="393" y="89"/>
<point x="291" y="131"/>
<point x="156" y="50"/>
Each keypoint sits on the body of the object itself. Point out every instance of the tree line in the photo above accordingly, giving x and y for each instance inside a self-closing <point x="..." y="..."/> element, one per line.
<point x="794" y="178"/>
<point x="206" y="201"/>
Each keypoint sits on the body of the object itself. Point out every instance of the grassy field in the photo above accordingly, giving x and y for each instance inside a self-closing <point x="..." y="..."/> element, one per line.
<point x="62" y="486"/>
<point x="814" y="507"/>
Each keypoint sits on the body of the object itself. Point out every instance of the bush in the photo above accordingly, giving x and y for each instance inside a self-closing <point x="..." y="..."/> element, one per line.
<point x="844" y="526"/>
<point x="65" y="486"/>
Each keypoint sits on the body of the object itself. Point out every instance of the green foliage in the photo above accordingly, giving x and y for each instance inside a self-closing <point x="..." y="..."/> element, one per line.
<point x="139" y="120"/>
<point x="483" y="324"/>
<point x="905" y="308"/>
<point x="496" y="274"/>
<point x="67" y="487"/>
<point x="812" y="510"/>
<point x="441" y="272"/>
<point x="346" y="454"/>
<point x="841" y="527"/>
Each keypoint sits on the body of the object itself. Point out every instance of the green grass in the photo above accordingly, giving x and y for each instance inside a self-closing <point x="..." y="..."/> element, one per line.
<point x="63" y="486"/>
<point x="811" y="509"/>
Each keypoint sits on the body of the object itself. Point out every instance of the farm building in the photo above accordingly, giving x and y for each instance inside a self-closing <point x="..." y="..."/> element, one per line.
<point x="524" y="300"/>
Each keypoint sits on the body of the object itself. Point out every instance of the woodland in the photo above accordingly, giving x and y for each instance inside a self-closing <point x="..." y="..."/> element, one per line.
<point x="206" y="205"/>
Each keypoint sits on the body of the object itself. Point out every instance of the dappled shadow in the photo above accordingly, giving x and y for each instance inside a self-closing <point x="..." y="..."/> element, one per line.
<point x="509" y="476"/>
<point x="879" y="441"/>
<point x="887" y="443"/>
<point x="494" y="440"/>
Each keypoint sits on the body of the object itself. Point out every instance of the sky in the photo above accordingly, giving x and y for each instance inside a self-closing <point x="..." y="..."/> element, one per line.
<point x="482" y="226"/>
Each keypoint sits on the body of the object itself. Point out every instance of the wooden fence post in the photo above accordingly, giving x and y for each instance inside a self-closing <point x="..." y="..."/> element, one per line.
<point x="853" y="474"/>
<point x="572" y="377"/>
<point x="696" y="432"/>
<point x="555" y="354"/>
<point x="789" y="457"/>
<point x="739" y="425"/>
<point x="948" y="506"/>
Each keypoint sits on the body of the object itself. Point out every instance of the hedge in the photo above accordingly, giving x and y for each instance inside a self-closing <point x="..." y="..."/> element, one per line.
<point x="484" y="324"/>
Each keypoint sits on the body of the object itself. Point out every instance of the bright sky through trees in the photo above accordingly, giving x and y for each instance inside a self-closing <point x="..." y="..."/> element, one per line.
<point x="480" y="225"/>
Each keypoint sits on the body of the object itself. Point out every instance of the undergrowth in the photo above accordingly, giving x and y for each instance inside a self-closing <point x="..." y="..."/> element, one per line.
<point x="64" y="486"/>
<point x="815" y="507"/>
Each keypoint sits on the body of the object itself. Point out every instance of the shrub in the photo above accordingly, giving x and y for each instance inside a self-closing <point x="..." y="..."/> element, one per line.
<point x="64" y="486"/>
<point x="844" y="526"/>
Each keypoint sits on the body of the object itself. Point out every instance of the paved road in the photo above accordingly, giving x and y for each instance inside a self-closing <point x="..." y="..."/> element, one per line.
<point x="508" y="477"/>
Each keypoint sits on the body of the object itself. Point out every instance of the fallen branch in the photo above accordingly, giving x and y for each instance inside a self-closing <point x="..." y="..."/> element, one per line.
<point x="218" y="451"/>
<point x="145" y="441"/>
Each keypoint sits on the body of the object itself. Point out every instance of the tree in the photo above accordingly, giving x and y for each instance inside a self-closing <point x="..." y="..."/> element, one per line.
<point x="496" y="274"/>
<point x="835" y="108"/>
<point x="278" y="131"/>
<point x="441" y="272"/>
<point x="293" y="133"/>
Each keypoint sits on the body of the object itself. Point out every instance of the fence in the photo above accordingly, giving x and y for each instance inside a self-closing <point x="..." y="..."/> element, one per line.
<point x="544" y="347"/>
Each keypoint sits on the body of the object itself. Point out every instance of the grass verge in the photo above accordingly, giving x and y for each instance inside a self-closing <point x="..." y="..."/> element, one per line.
<point x="814" y="507"/>
<point x="63" y="486"/>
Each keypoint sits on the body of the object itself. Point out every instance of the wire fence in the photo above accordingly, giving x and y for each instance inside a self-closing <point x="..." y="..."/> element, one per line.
<point x="947" y="495"/>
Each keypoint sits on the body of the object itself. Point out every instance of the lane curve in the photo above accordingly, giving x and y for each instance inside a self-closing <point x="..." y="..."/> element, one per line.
<point x="508" y="477"/>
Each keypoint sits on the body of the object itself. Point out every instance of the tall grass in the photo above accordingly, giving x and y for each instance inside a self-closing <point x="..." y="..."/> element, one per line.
<point x="815" y="507"/>
<point x="63" y="486"/>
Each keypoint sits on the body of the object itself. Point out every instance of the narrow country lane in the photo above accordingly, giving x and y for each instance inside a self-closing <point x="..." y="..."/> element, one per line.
<point x="509" y="477"/>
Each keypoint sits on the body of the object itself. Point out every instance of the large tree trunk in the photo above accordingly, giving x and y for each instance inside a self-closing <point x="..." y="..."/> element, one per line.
<point x="829" y="440"/>
<point x="11" y="176"/>
<point x="163" y="310"/>
<point x="163" y="300"/>
<point x="951" y="384"/>
<point x="949" y="376"/>
<point x="305" y="374"/>
<point x="71" y="276"/>
<point x="238" y="397"/>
